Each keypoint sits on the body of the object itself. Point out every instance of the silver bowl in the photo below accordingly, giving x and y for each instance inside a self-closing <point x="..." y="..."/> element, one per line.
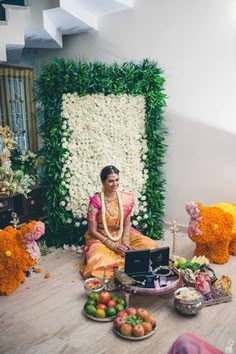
<point x="96" y="289"/>
<point x="188" y="305"/>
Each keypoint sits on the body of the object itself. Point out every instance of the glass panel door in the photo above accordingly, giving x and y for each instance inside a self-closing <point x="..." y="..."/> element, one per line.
<point x="17" y="111"/>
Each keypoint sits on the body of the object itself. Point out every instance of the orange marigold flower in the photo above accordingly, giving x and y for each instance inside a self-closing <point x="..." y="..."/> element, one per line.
<point x="8" y="253"/>
<point x="47" y="275"/>
<point x="38" y="270"/>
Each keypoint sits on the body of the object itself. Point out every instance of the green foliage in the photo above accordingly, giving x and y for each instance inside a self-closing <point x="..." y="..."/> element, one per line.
<point x="68" y="76"/>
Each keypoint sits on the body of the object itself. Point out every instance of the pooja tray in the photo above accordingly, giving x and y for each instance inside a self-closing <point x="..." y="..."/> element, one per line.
<point x="218" y="300"/>
<point x="175" y="284"/>
<point x="132" y="338"/>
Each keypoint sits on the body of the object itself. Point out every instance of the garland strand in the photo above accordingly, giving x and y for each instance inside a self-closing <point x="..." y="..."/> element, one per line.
<point x="113" y="238"/>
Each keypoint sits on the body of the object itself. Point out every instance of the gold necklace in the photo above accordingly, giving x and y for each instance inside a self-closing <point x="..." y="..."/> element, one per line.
<point x="111" y="211"/>
<point x="110" y="200"/>
<point x="118" y="236"/>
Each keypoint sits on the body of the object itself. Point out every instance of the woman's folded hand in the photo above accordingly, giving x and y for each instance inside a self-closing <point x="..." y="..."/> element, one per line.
<point x="121" y="249"/>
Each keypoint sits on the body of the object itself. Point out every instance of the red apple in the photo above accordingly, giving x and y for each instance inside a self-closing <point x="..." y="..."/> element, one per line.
<point x="138" y="330"/>
<point x="151" y="319"/>
<point x="118" y="322"/>
<point x="104" y="297"/>
<point x="131" y="311"/>
<point x="111" y="303"/>
<point x="101" y="307"/>
<point x="142" y="313"/>
<point x="126" y="329"/>
<point x="147" y="326"/>
<point x="122" y="313"/>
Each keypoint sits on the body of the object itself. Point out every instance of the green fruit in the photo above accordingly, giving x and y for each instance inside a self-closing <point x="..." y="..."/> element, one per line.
<point x="115" y="297"/>
<point x="181" y="261"/>
<point x="110" y="311"/>
<point x="195" y="266"/>
<point x="121" y="301"/>
<point x="93" y="296"/>
<point x="90" y="302"/>
<point x="176" y="263"/>
<point x="186" y="264"/>
<point x="119" y="307"/>
<point x="90" y="310"/>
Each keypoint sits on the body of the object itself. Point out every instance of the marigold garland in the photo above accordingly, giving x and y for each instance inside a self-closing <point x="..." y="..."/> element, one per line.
<point x="16" y="254"/>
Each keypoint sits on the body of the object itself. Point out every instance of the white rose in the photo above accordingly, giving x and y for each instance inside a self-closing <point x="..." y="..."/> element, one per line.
<point x="101" y="114"/>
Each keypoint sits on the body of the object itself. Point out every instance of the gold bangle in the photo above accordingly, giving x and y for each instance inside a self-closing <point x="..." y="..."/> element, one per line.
<point x="126" y="239"/>
<point x="104" y="241"/>
<point x="111" y="245"/>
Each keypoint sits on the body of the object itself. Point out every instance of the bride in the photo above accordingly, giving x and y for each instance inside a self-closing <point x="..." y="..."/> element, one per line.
<point x="110" y="233"/>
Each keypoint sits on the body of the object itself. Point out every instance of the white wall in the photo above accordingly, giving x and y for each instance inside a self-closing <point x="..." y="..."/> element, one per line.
<point x="194" y="41"/>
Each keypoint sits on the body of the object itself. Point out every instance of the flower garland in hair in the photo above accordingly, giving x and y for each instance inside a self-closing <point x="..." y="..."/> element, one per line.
<point x="113" y="238"/>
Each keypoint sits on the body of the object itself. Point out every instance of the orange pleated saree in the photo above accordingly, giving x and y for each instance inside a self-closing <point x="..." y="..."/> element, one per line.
<point x="99" y="256"/>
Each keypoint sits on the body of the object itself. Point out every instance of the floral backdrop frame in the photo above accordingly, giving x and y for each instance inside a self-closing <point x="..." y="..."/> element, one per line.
<point x="59" y="83"/>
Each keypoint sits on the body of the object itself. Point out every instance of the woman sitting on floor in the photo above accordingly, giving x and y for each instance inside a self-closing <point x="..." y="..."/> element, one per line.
<point x="110" y="233"/>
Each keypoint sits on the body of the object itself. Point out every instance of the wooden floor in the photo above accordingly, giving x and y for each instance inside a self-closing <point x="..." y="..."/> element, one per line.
<point x="45" y="315"/>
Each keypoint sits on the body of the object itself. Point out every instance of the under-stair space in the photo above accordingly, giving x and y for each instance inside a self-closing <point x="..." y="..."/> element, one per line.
<point x="42" y="24"/>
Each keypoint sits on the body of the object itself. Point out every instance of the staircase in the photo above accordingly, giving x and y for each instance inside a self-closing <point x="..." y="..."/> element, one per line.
<point x="43" y="23"/>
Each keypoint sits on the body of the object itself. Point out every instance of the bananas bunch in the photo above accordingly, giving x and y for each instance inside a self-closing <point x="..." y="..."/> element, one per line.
<point x="195" y="263"/>
<point x="200" y="260"/>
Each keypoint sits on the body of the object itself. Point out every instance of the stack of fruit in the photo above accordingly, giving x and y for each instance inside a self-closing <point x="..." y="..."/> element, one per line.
<point x="195" y="263"/>
<point x="134" y="323"/>
<point x="105" y="305"/>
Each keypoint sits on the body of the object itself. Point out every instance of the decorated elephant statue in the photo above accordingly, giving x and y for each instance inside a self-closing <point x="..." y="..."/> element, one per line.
<point x="213" y="229"/>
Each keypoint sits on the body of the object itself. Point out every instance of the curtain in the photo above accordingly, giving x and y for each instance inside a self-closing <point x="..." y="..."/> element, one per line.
<point x="17" y="105"/>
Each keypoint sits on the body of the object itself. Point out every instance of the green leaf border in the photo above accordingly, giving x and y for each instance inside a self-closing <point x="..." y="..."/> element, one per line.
<point x="67" y="76"/>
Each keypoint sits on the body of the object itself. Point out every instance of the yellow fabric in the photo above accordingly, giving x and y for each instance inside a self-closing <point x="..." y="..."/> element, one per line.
<point x="99" y="256"/>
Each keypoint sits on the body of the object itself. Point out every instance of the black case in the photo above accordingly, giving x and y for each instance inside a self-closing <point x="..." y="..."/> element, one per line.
<point x="137" y="262"/>
<point x="160" y="257"/>
<point x="5" y="218"/>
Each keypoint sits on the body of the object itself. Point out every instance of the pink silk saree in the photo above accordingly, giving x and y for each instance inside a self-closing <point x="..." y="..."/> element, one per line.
<point x="98" y="256"/>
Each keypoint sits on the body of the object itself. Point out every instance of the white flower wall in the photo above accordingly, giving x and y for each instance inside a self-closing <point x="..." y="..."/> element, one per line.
<point x="101" y="130"/>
